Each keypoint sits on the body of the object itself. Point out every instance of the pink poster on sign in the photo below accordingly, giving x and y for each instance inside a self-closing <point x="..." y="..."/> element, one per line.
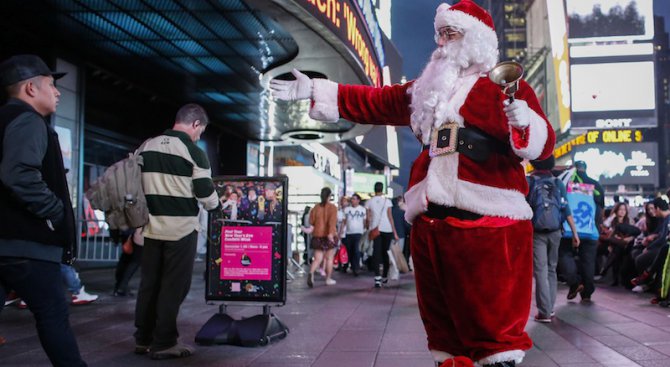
<point x="246" y="253"/>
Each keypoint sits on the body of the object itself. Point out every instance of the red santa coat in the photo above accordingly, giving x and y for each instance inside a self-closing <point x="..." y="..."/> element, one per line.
<point x="496" y="187"/>
<point x="473" y="278"/>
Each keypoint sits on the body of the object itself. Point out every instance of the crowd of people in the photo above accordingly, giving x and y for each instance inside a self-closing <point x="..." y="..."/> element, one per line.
<point x="252" y="203"/>
<point x="630" y="246"/>
<point x="465" y="202"/>
<point x="362" y="230"/>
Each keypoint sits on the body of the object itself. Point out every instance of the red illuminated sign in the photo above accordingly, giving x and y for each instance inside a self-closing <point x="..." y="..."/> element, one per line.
<point x="345" y="19"/>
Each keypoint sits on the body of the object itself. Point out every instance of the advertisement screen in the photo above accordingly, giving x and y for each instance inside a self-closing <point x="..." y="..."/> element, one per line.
<point x="613" y="95"/>
<point x="365" y="182"/>
<point x="604" y="87"/>
<point x="609" y="20"/>
<point x="620" y="164"/>
<point x="247" y="241"/>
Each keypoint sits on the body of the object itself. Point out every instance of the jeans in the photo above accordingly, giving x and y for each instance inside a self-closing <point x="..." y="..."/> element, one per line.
<point x="70" y="278"/>
<point x="582" y="271"/>
<point x="39" y="284"/>
<point x="351" y="243"/>
<point x="545" y="260"/>
<point x="167" y="268"/>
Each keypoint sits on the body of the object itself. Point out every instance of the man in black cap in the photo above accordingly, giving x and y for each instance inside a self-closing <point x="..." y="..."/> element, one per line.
<point x="37" y="228"/>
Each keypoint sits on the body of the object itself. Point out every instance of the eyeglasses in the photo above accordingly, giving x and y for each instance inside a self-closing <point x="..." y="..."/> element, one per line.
<point x="449" y="32"/>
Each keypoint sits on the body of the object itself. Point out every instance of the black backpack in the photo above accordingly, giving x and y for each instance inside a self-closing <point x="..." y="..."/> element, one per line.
<point x="544" y="198"/>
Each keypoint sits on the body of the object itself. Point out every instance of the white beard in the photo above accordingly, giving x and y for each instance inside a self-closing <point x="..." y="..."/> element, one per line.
<point x="435" y="87"/>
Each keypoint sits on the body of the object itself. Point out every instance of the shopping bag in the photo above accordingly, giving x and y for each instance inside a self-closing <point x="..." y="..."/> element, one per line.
<point x="583" y="209"/>
<point x="343" y="255"/>
<point x="394" y="274"/>
<point x="399" y="258"/>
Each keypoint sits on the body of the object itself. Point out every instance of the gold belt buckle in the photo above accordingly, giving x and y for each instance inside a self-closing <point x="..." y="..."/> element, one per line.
<point x="443" y="139"/>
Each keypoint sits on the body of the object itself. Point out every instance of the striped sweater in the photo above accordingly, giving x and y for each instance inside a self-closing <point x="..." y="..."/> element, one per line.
<point x="175" y="176"/>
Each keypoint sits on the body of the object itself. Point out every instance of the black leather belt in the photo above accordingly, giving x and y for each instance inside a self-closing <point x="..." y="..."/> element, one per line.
<point x="476" y="144"/>
<point x="436" y="211"/>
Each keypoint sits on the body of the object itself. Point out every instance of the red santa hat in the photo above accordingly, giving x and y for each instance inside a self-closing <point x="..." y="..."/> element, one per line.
<point x="477" y="26"/>
<point x="466" y="12"/>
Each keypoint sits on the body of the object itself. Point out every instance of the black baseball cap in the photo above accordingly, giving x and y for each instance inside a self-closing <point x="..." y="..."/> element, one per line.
<point x="22" y="67"/>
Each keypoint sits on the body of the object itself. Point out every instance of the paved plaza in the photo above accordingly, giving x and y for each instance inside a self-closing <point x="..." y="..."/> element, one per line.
<point x="351" y="324"/>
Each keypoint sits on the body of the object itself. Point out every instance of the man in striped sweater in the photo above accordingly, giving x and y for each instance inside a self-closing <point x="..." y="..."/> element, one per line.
<point x="175" y="176"/>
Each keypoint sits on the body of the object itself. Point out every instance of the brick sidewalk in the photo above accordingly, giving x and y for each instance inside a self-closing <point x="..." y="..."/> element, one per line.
<point x="351" y="324"/>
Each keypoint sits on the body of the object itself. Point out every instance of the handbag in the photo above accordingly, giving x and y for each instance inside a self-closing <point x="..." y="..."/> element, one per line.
<point x="374" y="232"/>
<point x="127" y="246"/>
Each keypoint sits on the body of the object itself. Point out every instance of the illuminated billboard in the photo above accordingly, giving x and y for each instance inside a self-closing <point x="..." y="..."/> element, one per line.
<point x="595" y="87"/>
<point x="559" y="53"/>
<point x="365" y="182"/>
<point x="610" y="20"/>
<point x="618" y="94"/>
<point x="355" y="24"/>
<point x="620" y="164"/>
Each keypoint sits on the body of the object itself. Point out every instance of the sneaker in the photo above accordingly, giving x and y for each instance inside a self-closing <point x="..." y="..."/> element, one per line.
<point x="597" y="277"/>
<point x="141" y="349"/>
<point x="322" y="272"/>
<point x="176" y="351"/>
<point x="385" y="280"/>
<point x="330" y="281"/>
<point x="640" y="288"/>
<point x="310" y="280"/>
<point x="83" y="298"/>
<point x="542" y="318"/>
<point x="378" y="282"/>
<point x="22" y="305"/>
<point x="586" y="299"/>
<point x="11" y="298"/>
<point x="574" y="290"/>
<point x="641" y="279"/>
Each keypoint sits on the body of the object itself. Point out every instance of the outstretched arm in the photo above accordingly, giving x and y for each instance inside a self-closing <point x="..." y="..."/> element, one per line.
<point x="388" y="105"/>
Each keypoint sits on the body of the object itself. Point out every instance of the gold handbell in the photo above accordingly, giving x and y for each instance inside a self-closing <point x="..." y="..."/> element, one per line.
<point x="507" y="75"/>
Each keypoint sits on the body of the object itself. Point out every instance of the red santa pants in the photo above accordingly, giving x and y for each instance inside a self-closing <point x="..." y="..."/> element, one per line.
<point x="474" y="287"/>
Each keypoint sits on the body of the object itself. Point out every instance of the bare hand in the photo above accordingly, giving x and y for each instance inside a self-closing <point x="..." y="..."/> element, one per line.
<point x="575" y="241"/>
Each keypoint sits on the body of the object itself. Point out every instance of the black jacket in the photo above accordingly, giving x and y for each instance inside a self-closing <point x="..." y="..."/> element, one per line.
<point x="33" y="187"/>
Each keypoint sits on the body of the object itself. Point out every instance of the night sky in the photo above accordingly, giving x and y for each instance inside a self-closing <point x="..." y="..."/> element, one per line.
<point x="412" y="23"/>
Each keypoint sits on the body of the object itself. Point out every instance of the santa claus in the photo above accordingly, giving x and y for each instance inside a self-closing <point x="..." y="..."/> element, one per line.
<point x="471" y="236"/>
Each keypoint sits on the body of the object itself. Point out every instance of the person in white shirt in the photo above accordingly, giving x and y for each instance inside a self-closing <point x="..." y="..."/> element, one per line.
<point x="341" y="231"/>
<point x="354" y="223"/>
<point x="379" y="214"/>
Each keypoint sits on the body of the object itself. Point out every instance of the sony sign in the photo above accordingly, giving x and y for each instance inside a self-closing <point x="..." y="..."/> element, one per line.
<point x="613" y="123"/>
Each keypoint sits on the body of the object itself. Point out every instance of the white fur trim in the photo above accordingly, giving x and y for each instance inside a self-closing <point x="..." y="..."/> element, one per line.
<point x="445" y="188"/>
<point x="440" y="356"/>
<point x="324" y="95"/>
<point x="416" y="201"/>
<point x="510" y="355"/>
<point x="537" y="138"/>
